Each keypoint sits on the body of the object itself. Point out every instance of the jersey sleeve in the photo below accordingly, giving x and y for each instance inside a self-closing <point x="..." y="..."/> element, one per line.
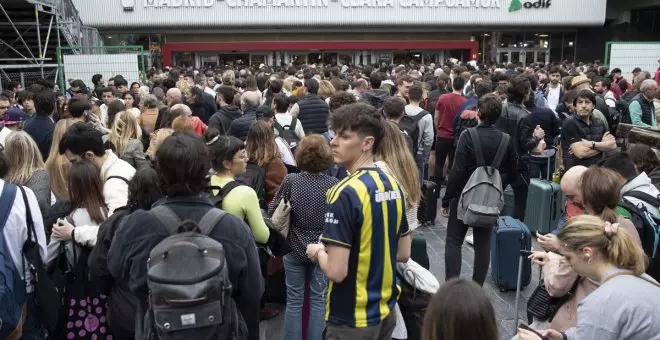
<point x="342" y="219"/>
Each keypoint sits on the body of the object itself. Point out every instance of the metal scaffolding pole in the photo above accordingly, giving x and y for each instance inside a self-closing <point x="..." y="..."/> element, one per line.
<point x="41" y="56"/>
<point x="2" y="8"/>
<point x="50" y="26"/>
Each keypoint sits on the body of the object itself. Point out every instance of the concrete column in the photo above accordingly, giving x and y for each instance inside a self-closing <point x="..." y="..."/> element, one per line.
<point x="286" y="58"/>
<point x="364" y="57"/>
<point x="278" y="58"/>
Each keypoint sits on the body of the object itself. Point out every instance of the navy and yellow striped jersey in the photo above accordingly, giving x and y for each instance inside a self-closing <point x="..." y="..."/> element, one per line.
<point x="366" y="213"/>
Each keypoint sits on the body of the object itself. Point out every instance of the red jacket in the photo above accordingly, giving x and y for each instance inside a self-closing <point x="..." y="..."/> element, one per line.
<point x="198" y="126"/>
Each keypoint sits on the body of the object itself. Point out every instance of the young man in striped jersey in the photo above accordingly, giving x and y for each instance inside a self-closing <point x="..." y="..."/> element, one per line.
<point x="366" y="232"/>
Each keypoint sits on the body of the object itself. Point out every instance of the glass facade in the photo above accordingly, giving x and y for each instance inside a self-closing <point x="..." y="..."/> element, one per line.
<point x="526" y="47"/>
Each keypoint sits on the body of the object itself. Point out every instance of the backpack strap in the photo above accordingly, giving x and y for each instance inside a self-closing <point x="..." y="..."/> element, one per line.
<point x="118" y="177"/>
<point x="166" y="217"/>
<point x="210" y="220"/>
<point x="6" y="203"/>
<point x="654" y="201"/>
<point x="501" y="150"/>
<point x="292" y="126"/>
<point x="476" y="142"/>
<point x="228" y="188"/>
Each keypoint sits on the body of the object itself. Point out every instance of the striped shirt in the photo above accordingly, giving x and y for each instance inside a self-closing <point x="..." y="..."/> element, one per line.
<point x="366" y="213"/>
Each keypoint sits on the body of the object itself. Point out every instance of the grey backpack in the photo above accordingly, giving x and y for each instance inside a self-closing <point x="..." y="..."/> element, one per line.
<point x="190" y="294"/>
<point x="482" y="198"/>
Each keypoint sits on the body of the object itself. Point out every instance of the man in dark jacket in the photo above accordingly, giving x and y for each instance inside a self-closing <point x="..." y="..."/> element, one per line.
<point x="207" y="100"/>
<point x="312" y="111"/>
<point x="41" y="127"/>
<point x="510" y="122"/>
<point x="240" y="127"/>
<point x="227" y="112"/>
<point x="465" y="163"/>
<point x="183" y="160"/>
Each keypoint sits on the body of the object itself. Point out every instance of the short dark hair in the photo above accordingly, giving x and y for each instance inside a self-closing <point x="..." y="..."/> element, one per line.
<point x="78" y="107"/>
<point x="636" y="69"/>
<point x="483" y="88"/>
<point x="416" y="91"/>
<point x="361" y="118"/>
<point x="312" y="85"/>
<point x="45" y="102"/>
<point x="81" y="138"/>
<point x="394" y="107"/>
<point x="570" y="96"/>
<point x="375" y="80"/>
<point x="555" y="69"/>
<point x="585" y="94"/>
<point x="96" y="78"/>
<point x="313" y="154"/>
<point x="606" y="83"/>
<point x="615" y="70"/>
<point x="281" y="102"/>
<point x="490" y="108"/>
<point x="644" y="158"/>
<point x="182" y="164"/>
<point x="119" y="81"/>
<point x="107" y="89"/>
<point x="458" y="84"/>
<point x="621" y="163"/>
<point x="339" y="99"/>
<point x="518" y="89"/>
<point x="223" y="149"/>
<point x="442" y="81"/>
<point x="78" y="83"/>
<point x="24" y="95"/>
<point x="227" y="93"/>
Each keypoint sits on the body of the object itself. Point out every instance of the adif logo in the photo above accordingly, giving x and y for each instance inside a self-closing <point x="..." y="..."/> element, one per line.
<point x="518" y="4"/>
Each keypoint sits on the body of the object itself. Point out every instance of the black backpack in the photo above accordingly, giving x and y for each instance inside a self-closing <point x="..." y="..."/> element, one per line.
<point x="288" y="132"/>
<point x="410" y="125"/>
<point x="190" y="293"/>
<point x="255" y="178"/>
<point x="647" y="225"/>
<point x="624" y="112"/>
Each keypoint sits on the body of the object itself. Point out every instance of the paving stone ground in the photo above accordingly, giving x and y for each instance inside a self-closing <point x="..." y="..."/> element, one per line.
<point x="436" y="235"/>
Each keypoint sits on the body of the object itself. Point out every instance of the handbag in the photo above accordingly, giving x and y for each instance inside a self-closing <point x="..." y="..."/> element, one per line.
<point x="82" y="313"/>
<point x="543" y="306"/>
<point x="282" y="215"/>
<point x="46" y="297"/>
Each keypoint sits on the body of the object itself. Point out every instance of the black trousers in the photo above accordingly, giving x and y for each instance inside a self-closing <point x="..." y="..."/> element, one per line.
<point x="456" y="232"/>
<point x="520" y="186"/>
<point x="443" y="147"/>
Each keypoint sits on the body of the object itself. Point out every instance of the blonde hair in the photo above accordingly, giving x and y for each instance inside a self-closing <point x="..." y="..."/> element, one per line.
<point x="58" y="165"/>
<point x="124" y="129"/>
<point x="24" y="157"/>
<point x="620" y="249"/>
<point x="326" y="89"/>
<point x="184" y="87"/>
<point x="182" y="123"/>
<point x="394" y="151"/>
<point x="288" y="83"/>
<point x="228" y="78"/>
<point x="157" y="138"/>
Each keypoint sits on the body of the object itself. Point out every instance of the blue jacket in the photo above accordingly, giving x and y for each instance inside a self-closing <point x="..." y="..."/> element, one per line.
<point x="40" y="128"/>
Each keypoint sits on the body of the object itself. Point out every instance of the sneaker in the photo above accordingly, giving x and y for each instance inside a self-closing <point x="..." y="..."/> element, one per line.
<point x="469" y="238"/>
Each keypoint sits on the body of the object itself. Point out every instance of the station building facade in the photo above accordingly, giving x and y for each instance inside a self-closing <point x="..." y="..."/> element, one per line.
<point x="279" y="32"/>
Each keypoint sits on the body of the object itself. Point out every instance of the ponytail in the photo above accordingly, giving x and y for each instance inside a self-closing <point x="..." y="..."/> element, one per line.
<point x="614" y="243"/>
<point x="625" y="253"/>
<point x="608" y="215"/>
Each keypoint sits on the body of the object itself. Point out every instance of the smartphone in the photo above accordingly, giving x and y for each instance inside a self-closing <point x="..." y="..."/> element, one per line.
<point x="525" y="327"/>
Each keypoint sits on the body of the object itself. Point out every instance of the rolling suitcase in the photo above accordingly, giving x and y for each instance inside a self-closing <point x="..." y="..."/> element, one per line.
<point x="418" y="252"/>
<point x="544" y="205"/>
<point x="509" y="238"/>
<point x="428" y="206"/>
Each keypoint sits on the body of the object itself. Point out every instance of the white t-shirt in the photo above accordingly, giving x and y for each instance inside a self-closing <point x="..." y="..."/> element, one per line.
<point x="553" y="97"/>
<point x="3" y="135"/>
<point x="285" y="152"/>
<point x="285" y="119"/>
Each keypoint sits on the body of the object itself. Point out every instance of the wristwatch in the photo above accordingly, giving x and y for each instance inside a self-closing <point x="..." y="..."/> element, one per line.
<point x="593" y="145"/>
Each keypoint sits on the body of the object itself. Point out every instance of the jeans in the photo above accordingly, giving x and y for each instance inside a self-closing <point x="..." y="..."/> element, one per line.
<point x="443" y="147"/>
<point x="296" y="272"/>
<point x="456" y="232"/>
<point x="32" y="328"/>
<point x="538" y="168"/>
<point x="382" y="331"/>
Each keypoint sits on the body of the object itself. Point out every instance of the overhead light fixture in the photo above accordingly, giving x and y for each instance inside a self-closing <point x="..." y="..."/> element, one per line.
<point x="570" y="43"/>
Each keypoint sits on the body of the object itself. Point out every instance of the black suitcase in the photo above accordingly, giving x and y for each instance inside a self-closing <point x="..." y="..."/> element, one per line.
<point x="428" y="206"/>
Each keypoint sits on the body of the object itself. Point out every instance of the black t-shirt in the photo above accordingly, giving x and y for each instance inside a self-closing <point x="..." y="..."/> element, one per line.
<point x="575" y="129"/>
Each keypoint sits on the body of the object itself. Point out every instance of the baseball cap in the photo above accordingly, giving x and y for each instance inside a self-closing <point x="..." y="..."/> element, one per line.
<point x="14" y="116"/>
<point x="264" y="111"/>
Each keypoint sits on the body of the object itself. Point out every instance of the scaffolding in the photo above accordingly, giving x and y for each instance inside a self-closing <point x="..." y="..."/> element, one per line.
<point x="26" y="55"/>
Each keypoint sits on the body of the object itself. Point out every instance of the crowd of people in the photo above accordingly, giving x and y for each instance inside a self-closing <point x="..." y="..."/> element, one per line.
<point x="107" y="173"/>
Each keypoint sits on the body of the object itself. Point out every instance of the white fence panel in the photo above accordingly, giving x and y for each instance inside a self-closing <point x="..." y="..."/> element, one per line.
<point x="627" y="56"/>
<point x="85" y="66"/>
